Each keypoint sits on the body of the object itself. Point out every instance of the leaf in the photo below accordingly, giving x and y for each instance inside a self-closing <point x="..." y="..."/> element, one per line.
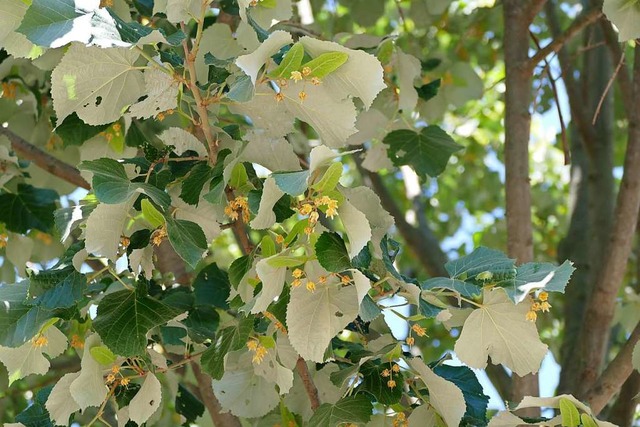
<point x="178" y="10"/>
<point x="111" y="184"/>
<point x="423" y="416"/>
<point x="146" y="401"/>
<point x="241" y="90"/>
<point x="211" y="287"/>
<point x="292" y="183"/>
<point x="36" y="414"/>
<point x="188" y="405"/>
<point x="499" y="329"/>
<point x="125" y="317"/>
<point x="60" y="287"/>
<point x="241" y="391"/>
<point x="151" y="214"/>
<point x="204" y="214"/>
<point x="60" y="403"/>
<point x="587" y="421"/>
<point x="97" y="84"/>
<point x="314" y="318"/>
<point x="252" y="62"/>
<point x="104" y="227"/>
<point x="356" y="226"/>
<point x="275" y="154"/>
<point x="326" y="63"/>
<point x="202" y="322"/>
<point x="188" y="239"/>
<point x="426" y="152"/>
<point x="11" y="14"/>
<point x="89" y="389"/>
<point x="536" y="275"/>
<point x="194" y="183"/>
<point x="239" y="268"/>
<point x="480" y="260"/>
<point x="332" y="252"/>
<point x="227" y="340"/>
<point x="330" y="179"/>
<point x="30" y="208"/>
<point x="19" y="322"/>
<point x="429" y="90"/>
<point x="74" y="131"/>
<point x="102" y="355"/>
<point x="162" y="95"/>
<point x="569" y="413"/>
<point x="29" y="359"/>
<point x="465" y="379"/>
<point x="273" y="279"/>
<point x="183" y="141"/>
<point x="266" y="218"/>
<point x="54" y="23"/>
<point x="407" y="69"/>
<point x="463" y="288"/>
<point x="375" y="383"/>
<point x="292" y="61"/>
<point x="625" y="15"/>
<point x="361" y="75"/>
<point x="352" y="409"/>
<point x="444" y="396"/>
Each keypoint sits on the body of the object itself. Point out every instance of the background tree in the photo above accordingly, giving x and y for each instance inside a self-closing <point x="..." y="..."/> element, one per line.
<point x="230" y="233"/>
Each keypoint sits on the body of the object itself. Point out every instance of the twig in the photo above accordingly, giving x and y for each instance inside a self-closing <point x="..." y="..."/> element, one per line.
<point x="44" y="160"/>
<point x="554" y="89"/>
<point x="623" y="77"/>
<point x="578" y="25"/>
<point x="606" y="90"/>
<point x="309" y="386"/>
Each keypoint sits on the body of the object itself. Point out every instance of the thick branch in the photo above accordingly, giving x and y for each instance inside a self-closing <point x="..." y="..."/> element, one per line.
<point x="614" y="376"/>
<point x="601" y="305"/>
<point x="44" y="160"/>
<point x="309" y="386"/>
<point x="578" y="25"/>
<point x="210" y="400"/>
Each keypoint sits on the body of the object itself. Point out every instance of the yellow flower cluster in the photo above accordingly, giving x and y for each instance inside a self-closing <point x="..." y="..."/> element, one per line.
<point x="259" y="351"/>
<point x="158" y="236"/>
<point x="236" y="207"/>
<point x="77" y="342"/>
<point x="39" y="341"/>
<point x="540" y="305"/>
<point x="3" y="240"/>
<point x="278" y="324"/>
<point x="400" y="420"/>
<point x="9" y="90"/>
<point x="332" y="205"/>
<point x="388" y="373"/>
<point x="297" y="280"/>
<point x="310" y="209"/>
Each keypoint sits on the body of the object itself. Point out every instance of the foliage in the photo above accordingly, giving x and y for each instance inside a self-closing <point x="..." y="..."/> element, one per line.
<point x="191" y="134"/>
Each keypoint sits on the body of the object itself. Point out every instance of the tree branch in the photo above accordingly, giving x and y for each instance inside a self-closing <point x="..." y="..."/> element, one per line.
<point x="211" y="402"/>
<point x="44" y="160"/>
<point x="602" y="302"/>
<point x="614" y="376"/>
<point x="622" y="77"/>
<point x="309" y="386"/>
<point x="578" y="25"/>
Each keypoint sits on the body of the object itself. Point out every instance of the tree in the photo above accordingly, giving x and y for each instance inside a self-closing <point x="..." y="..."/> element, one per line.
<point x="200" y="199"/>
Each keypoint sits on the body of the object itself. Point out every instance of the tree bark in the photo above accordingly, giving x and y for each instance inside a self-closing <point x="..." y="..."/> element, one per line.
<point x="517" y="17"/>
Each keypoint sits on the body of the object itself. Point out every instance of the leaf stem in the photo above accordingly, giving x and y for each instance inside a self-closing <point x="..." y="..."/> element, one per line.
<point x="153" y="62"/>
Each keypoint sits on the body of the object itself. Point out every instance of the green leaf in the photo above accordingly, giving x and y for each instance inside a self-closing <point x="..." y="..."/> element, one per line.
<point x="30" y="208"/>
<point x="202" y="323"/>
<point x="112" y="186"/>
<point x="132" y="32"/>
<point x="537" y="275"/>
<point x="479" y="261"/>
<point x="426" y="152"/>
<point x="369" y="310"/>
<point x="212" y="287"/>
<point x="286" y="261"/>
<point x="353" y="409"/>
<point x="74" y="131"/>
<point x="19" y="322"/>
<point x="625" y="15"/>
<point x="239" y="268"/>
<point x="429" y="90"/>
<point x="188" y="239"/>
<point x="326" y="63"/>
<point x="102" y="355"/>
<point x="60" y="287"/>
<point x="151" y="214"/>
<point x="227" y="340"/>
<point x="54" y="23"/>
<point x="374" y="383"/>
<point x="291" y="62"/>
<point x="268" y="246"/>
<point x="194" y="183"/>
<point x="125" y="317"/>
<point x="330" y="179"/>
<point x="241" y="90"/>
<point x="292" y="183"/>
<point x="569" y="413"/>
<point x="587" y="420"/>
<point x="188" y="405"/>
<point x="472" y="391"/>
<point x="463" y="288"/>
<point x="332" y="252"/>
<point x="36" y="415"/>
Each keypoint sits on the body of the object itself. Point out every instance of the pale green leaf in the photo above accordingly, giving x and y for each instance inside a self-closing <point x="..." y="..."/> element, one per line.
<point x="182" y="141"/>
<point x="635" y="360"/>
<point x="445" y="396"/>
<point x="89" y="389"/>
<point x="217" y="40"/>
<point x="314" y="318"/>
<point x="292" y="61"/>
<point x="361" y="76"/>
<point x="499" y="329"/>
<point x="273" y="279"/>
<point x="427" y="152"/>
<point x="253" y="62"/>
<point x="54" y="23"/>
<point x="18" y="251"/>
<point x="151" y="214"/>
<point x="408" y="69"/>
<point x="356" y="226"/>
<point x="326" y="63"/>
<point x="569" y="413"/>
<point x="330" y="179"/>
<point x="162" y="95"/>
<point x="587" y="421"/>
<point x="554" y="402"/>
<point x="104" y="227"/>
<point x="97" y="84"/>
<point x="271" y="193"/>
<point x="271" y="370"/>
<point x="146" y="401"/>
<point x="102" y="355"/>
<point x="178" y="10"/>
<point x="274" y="154"/>
<point x="625" y="15"/>
<point x="206" y="215"/>
<point x="298" y="401"/>
<point x="271" y="118"/>
<point x="188" y="239"/>
<point x="11" y="14"/>
<point x="265" y="15"/>
<point x="124" y="318"/>
<point x="60" y="403"/>
<point x="243" y="392"/>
